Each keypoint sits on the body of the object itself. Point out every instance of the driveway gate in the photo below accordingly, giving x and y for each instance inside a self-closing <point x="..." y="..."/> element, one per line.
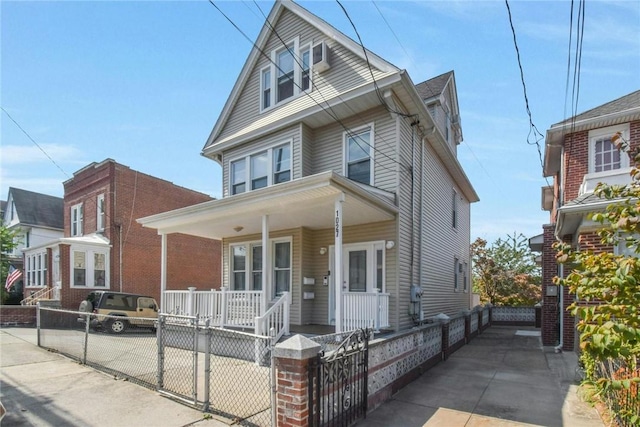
<point x="338" y="383"/>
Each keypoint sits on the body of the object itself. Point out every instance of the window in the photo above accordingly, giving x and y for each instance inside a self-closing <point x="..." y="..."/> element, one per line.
<point x="247" y="266"/>
<point x="358" y="162"/>
<point x="266" y="168"/>
<point x="266" y="88"/>
<point x="100" y="213"/>
<point x="36" y="269"/>
<point x="357" y="271"/>
<point x="465" y="284"/>
<point x="259" y="170"/>
<point x="603" y="154"/>
<point x="90" y="268"/>
<point x="288" y="75"/>
<point x="76" y="220"/>
<point x="238" y="176"/>
<point x="623" y="249"/>
<point x="456" y="266"/>
<point x="454" y="210"/>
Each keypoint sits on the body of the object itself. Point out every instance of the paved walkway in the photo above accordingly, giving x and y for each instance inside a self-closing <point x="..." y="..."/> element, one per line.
<point x="40" y="388"/>
<point x="502" y="378"/>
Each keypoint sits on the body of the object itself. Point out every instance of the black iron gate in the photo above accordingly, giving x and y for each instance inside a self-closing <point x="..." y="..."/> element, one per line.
<point x="338" y="383"/>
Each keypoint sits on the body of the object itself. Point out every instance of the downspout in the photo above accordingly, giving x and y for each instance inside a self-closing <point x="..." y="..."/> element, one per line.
<point x="558" y="349"/>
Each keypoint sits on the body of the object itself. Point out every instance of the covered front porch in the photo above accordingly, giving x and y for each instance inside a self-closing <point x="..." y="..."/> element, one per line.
<point x="318" y="250"/>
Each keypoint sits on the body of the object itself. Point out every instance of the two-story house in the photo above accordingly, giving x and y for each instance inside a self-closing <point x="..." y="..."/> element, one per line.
<point x="103" y="246"/>
<point x="578" y="155"/>
<point x="36" y="218"/>
<point x="341" y="183"/>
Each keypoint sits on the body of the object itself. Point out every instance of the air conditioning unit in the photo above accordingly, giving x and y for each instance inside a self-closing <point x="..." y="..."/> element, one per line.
<point x="321" y="57"/>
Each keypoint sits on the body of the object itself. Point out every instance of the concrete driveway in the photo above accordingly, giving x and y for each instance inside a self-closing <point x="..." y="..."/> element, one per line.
<point x="502" y="378"/>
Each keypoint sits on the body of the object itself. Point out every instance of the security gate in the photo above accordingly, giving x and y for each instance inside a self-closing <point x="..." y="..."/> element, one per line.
<point x="338" y="383"/>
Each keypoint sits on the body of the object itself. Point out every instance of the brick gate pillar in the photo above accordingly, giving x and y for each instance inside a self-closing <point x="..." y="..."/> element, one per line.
<point x="291" y="359"/>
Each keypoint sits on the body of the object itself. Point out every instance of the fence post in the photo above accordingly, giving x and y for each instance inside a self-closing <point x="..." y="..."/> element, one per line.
<point x="223" y="303"/>
<point x="467" y="326"/>
<point x="207" y="365"/>
<point x="191" y="301"/>
<point x="162" y="321"/>
<point x="292" y="358"/>
<point x="38" y="321"/>
<point x="194" y="327"/>
<point x="86" y="338"/>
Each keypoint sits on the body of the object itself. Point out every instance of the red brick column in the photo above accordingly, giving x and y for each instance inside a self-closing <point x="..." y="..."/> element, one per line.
<point x="550" y="309"/>
<point x="292" y="359"/>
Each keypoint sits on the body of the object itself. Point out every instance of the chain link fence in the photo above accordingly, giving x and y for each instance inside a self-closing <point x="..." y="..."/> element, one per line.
<point x="622" y="395"/>
<point x="221" y="371"/>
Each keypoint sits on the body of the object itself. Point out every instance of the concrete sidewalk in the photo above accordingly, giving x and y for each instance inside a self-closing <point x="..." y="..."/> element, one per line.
<point x="501" y="378"/>
<point x="40" y="388"/>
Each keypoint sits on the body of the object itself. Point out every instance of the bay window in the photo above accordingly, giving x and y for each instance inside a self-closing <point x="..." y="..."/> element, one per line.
<point x="90" y="267"/>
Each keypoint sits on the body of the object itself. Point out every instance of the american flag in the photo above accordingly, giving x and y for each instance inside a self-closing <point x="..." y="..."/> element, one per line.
<point x="14" y="275"/>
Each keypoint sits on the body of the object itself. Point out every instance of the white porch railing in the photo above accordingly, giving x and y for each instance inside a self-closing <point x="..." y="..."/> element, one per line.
<point x="275" y="321"/>
<point x="222" y="307"/>
<point x="365" y="310"/>
<point x="52" y="293"/>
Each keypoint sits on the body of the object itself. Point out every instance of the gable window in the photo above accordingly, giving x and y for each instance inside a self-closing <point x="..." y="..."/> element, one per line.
<point x="238" y="176"/>
<point x="90" y="268"/>
<point x="603" y="154"/>
<point x="247" y="266"/>
<point x="76" y="220"/>
<point x="359" y="155"/>
<point x="266" y="88"/>
<point x="266" y="168"/>
<point x="100" y="214"/>
<point x="454" y="210"/>
<point x="285" y="74"/>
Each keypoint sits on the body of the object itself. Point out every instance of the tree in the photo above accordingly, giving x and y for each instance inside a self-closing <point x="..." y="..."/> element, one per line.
<point x="608" y="287"/>
<point x="8" y="241"/>
<point x="506" y="273"/>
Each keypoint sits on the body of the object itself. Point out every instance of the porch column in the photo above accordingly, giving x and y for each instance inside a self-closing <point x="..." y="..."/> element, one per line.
<point x="337" y="265"/>
<point x="266" y="265"/>
<point x="163" y="271"/>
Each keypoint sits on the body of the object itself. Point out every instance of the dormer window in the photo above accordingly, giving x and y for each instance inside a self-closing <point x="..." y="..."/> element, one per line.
<point x="604" y="156"/>
<point x="287" y="75"/>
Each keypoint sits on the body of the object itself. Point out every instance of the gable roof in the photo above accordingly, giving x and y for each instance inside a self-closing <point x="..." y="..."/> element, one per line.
<point x="433" y="87"/>
<point x="259" y="45"/>
<point x="36" y="209"/>
<point x="621" y="110"/>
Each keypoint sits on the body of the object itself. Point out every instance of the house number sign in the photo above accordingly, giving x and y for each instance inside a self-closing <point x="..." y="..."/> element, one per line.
<point x="337" y="223"/>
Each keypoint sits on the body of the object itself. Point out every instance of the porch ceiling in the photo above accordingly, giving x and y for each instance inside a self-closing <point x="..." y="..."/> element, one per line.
<point x="307" y="202"/>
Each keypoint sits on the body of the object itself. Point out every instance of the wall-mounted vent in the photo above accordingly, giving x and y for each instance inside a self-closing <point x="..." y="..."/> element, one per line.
<point x="321" y="57"/>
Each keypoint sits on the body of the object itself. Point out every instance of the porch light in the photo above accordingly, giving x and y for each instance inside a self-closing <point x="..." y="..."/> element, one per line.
<point x="390" y="244"/>
<point x="323" y="250"/>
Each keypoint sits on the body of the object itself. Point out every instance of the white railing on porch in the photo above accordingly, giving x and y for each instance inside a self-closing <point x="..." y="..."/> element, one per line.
<point x="223" y="307"/>
<point x="52" y="293"/>
<point x="365" y="310"/>
<point x="275" y="322"/>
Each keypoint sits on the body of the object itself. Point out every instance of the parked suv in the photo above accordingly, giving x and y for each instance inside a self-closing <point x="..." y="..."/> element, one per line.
<point x="127" y="309"/>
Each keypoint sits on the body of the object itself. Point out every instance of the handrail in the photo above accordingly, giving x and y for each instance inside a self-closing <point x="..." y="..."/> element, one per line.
<point x="275" y="321"/>
<point x="33" y="299"/>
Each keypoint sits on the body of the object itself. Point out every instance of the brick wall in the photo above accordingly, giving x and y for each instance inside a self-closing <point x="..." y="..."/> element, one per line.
<point x="129" y="195"/>
<point x="592" y="242"/>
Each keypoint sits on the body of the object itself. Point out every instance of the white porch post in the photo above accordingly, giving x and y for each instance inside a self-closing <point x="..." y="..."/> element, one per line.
<point x="163" y="272"/>
<point x="337" y="266"/>
<point x="266" y="265"/>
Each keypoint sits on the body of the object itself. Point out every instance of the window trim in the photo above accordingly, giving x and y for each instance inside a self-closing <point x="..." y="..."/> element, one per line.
<point x="36" y="267"/>
<point x="456" y="277"/>
<point x="345" y="151"/>
<point x="454" y="210"/>
<point x="372" y="247"/>
<point x="100" y="215"/>
<point x="78" y="231"/>
<point x="270" y="169"/>
<point x="248" y="272"/>
<point x="596" y="134"/>
<point x="89" y="260"/>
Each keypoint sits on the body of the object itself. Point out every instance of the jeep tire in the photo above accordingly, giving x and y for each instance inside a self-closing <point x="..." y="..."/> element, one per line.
<point x="116" y="326"/>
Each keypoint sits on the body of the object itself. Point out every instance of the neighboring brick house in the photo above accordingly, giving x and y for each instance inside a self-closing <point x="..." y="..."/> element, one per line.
<point x="36" y="218"/>
<point x="578" y="155"/>
<point x="105" y="248"/>
<point x="341" y="183"/>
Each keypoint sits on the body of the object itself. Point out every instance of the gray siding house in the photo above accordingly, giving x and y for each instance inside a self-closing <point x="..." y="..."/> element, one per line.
<point x="341" y="185"/>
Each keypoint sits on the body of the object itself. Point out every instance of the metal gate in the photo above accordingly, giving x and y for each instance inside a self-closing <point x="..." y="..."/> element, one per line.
<point x="338" y="383"/>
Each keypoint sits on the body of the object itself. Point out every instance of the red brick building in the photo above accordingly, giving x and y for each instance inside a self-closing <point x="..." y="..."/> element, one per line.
<point x="105" y="248"/>
<point x="578" y="155"/>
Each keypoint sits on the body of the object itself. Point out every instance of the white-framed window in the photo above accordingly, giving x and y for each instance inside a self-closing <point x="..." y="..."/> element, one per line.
<point x="247" y="265"/>
<point x="77" y="213"/>
<point x="358" y="155"/>
<point x="36" y="269"/>
<point x="465" y="280"/>
<point x="604" y="156"/>
<point x="266" y="168"/>
<point x="364" y="266"/>
<point x="100" y="213"/>
<point x="287" y="75"/>
<point x="89" y="268"/>
<point x="454" y="209"/>
<point x="456" y="276"/>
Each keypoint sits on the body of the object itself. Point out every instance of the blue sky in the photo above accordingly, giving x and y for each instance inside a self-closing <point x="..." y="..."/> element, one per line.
<point x="144" y="82"/>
